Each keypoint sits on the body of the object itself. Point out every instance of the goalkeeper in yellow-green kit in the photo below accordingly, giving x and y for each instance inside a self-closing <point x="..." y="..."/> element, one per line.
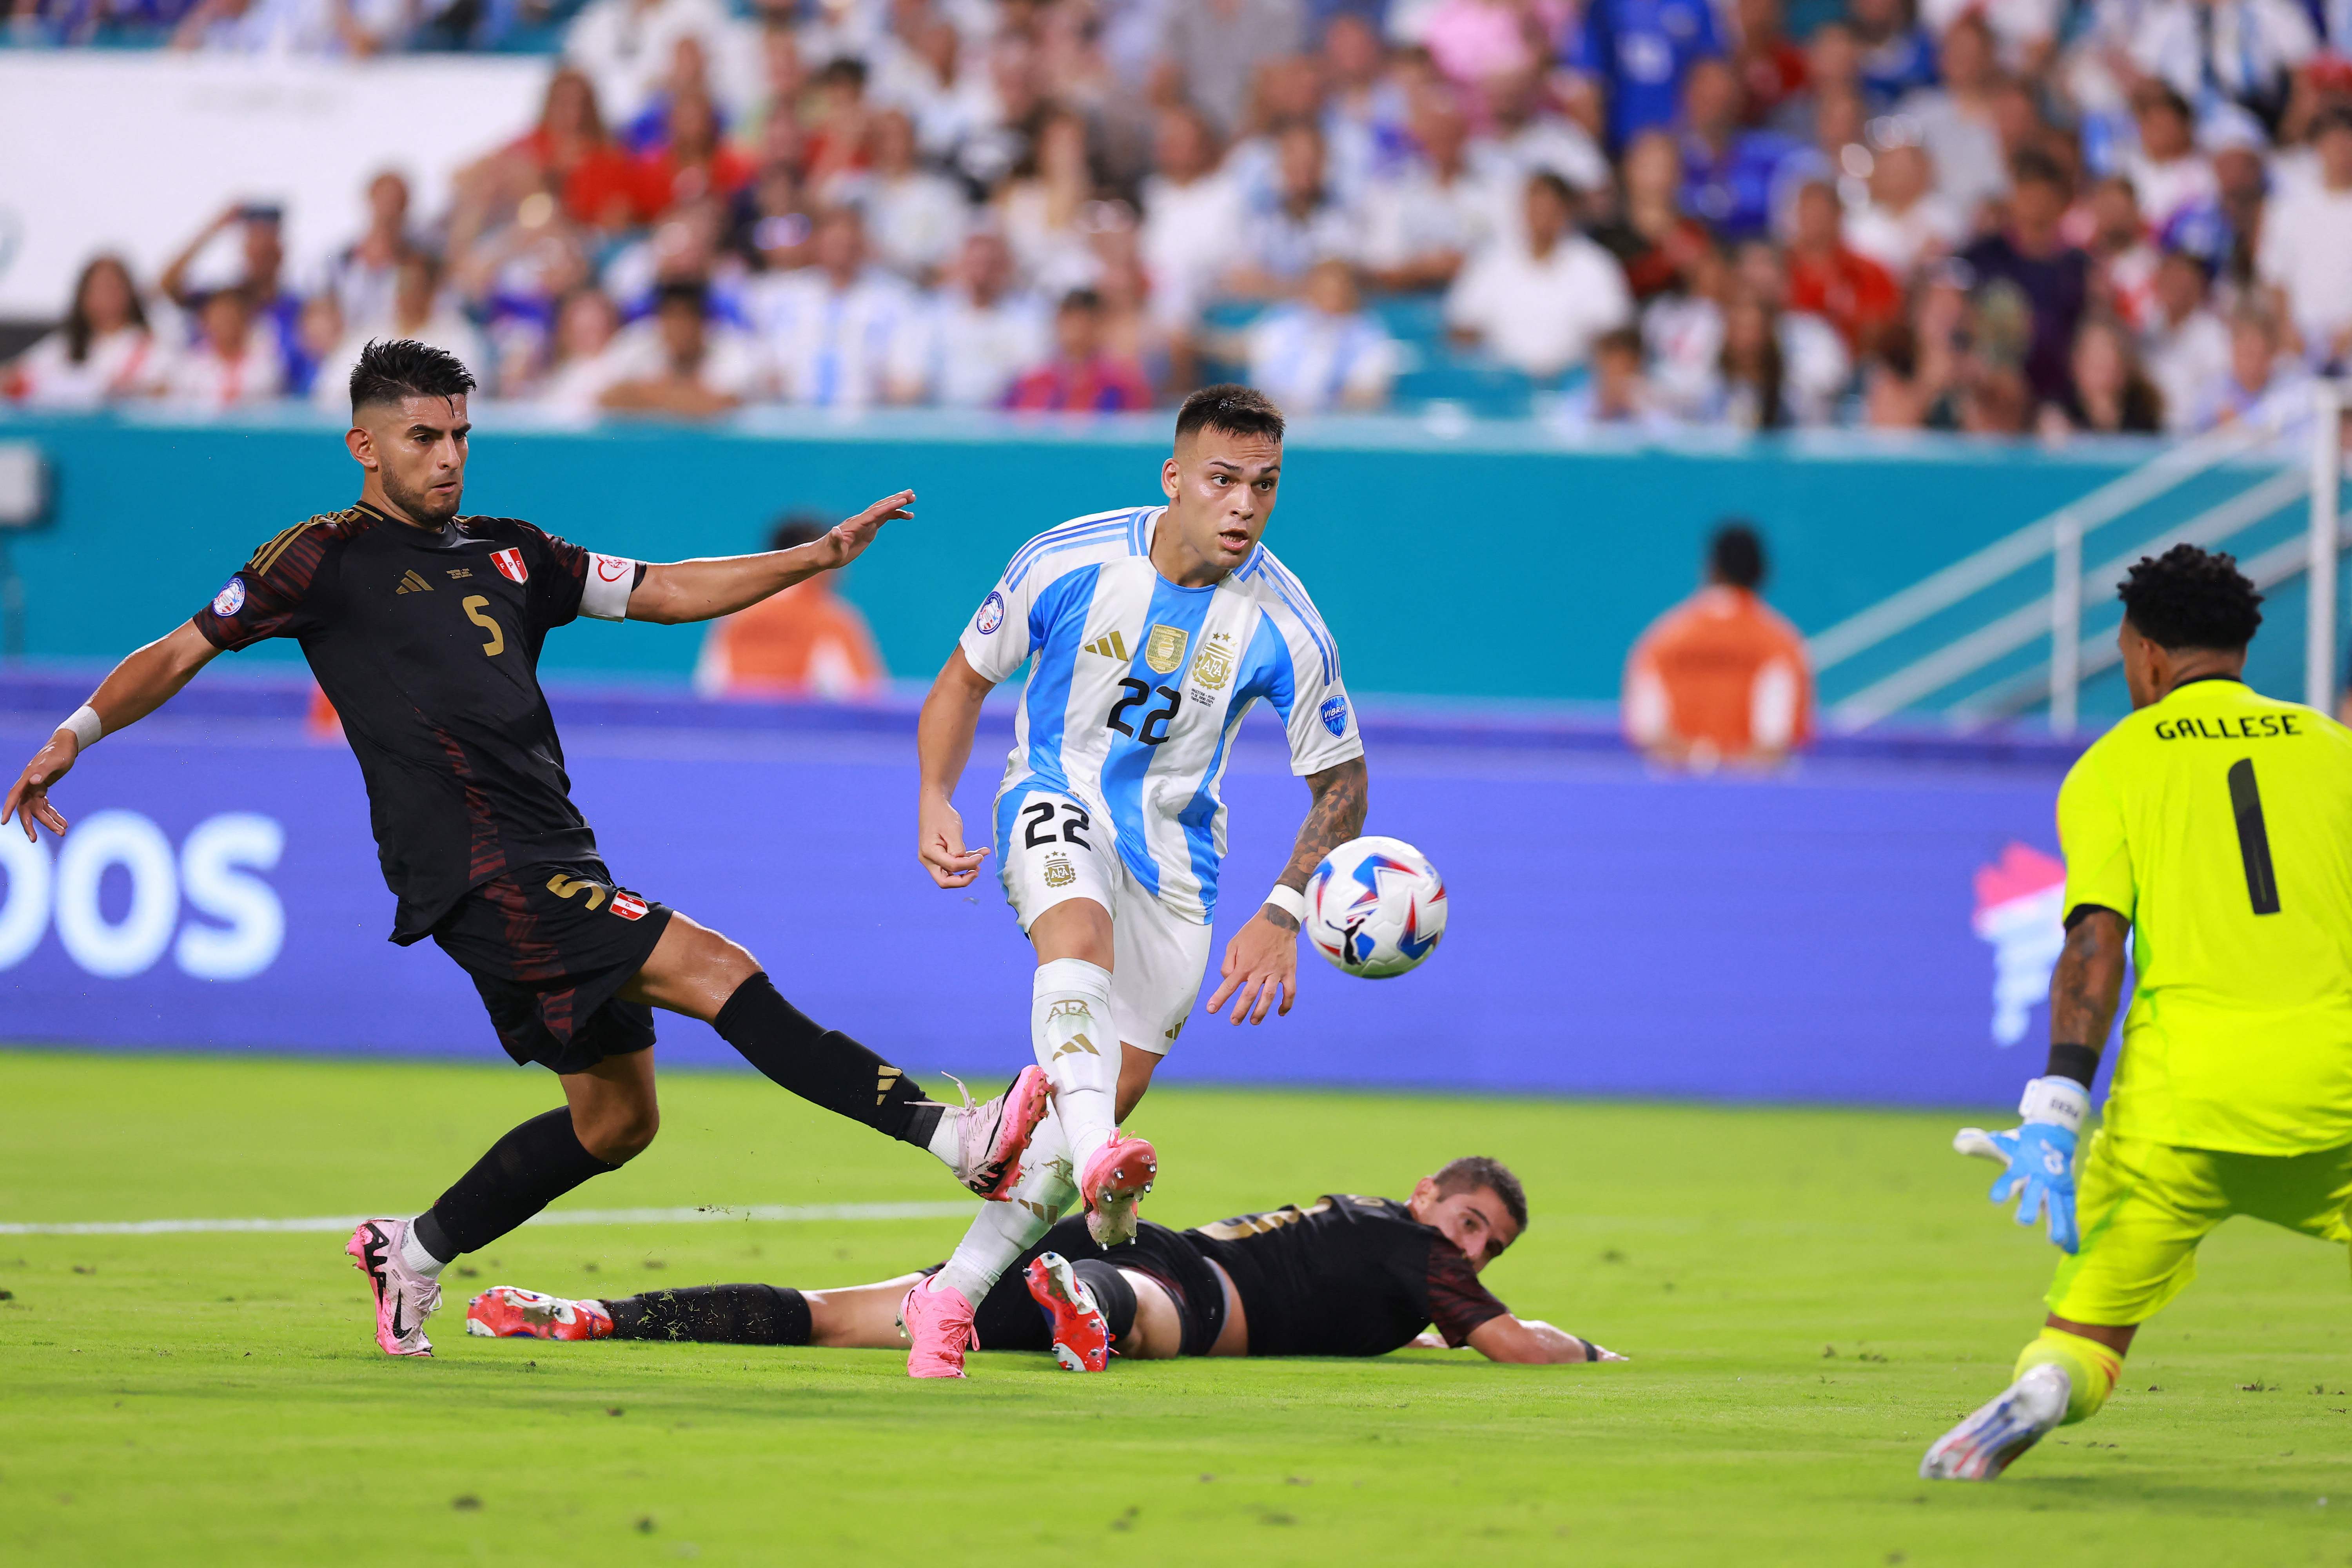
<point x="2214" y="828"/>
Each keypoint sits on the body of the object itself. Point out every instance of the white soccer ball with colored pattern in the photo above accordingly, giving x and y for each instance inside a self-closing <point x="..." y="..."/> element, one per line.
<point x="1375" y="906"/>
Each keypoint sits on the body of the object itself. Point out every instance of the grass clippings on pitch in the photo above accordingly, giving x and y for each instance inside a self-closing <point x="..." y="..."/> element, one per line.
<point x="1810" y="1297"/>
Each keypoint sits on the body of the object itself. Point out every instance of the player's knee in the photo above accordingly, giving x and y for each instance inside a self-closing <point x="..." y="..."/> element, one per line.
<point x="618" y="1134"/>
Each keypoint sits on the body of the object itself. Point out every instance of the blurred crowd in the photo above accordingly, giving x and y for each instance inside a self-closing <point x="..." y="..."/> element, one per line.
<point x="1993" y="216"/>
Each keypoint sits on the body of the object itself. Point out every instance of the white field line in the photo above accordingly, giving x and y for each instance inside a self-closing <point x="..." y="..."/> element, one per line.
<point x="714" y="1214"/>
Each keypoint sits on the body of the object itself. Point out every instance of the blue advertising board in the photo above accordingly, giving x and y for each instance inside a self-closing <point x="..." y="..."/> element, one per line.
<point x="1865" y="929"/>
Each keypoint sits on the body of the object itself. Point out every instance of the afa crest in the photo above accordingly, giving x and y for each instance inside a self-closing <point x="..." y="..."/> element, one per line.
<point x="1163" y="651"/>
<point x="1214" y="666"/>
<point x="1060" y="872"/>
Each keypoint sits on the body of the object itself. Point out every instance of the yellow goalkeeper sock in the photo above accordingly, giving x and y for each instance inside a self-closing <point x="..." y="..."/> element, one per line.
<point x="2091" y="1369"/>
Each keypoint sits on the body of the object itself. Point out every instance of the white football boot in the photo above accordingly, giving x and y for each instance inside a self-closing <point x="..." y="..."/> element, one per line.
<point x="1981" y="1447"/>
<point x="403" y="1297"/>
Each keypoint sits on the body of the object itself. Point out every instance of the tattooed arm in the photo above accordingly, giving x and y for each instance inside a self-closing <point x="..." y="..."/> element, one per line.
<point x="1261" y="960"/>
<point x="2084" y="992"/>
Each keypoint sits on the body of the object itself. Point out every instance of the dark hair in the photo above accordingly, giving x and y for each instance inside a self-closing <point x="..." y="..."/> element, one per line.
<point x="683" y="292"/>
<point x="1081" y="300"/>
<point x="1619" y="340"/>
<point x="2034" y="166"/>
<point x="842" y="70"/>
<point x="1558" y="186"/>
<point x="2188" y="597"/>
<point x="1238" y="410"/>
<point x="77" y="327"/>
<point x="392" y="368"/>
<point x="2336" y="115"/>
<point x="797" y="528"/>
<point x="1735" y="553"/>
<point x="1472" y="1171"/>
<point x="2164" y="95"/>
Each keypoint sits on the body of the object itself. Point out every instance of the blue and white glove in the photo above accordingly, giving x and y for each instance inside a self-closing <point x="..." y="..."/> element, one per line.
<point x="2038" y="1155"/>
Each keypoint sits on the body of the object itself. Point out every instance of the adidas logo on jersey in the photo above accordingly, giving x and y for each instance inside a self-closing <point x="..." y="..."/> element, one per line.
<point x="1110" y="644"/>
<point x="409" y="582"/>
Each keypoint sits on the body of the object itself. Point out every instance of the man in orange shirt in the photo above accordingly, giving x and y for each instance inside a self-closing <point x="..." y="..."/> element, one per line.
<point x="1720" y="677"/>
<point x="796" y="643"/>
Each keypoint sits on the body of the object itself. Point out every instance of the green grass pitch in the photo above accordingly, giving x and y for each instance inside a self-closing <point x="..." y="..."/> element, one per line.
<point x="1809" y="1296"/>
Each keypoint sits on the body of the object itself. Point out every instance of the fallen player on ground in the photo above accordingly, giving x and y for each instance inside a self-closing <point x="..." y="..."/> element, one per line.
<point x="1345" y="1275"/>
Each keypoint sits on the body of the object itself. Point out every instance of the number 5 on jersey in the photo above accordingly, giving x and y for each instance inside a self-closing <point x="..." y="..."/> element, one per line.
<point x="477" y="609"/>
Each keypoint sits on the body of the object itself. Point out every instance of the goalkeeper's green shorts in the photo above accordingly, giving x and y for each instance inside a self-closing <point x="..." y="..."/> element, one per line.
<point x="2144" y="1207"/>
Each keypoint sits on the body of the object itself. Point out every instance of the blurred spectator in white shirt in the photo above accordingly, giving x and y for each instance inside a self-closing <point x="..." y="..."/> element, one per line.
<point x="1525" y="138"/>
<point x="2230" y="58"/>
<point x="1192" y="215"/>
<point x="2024" y="32"/>
<point x="102" y="352"/>
<point x="1210" y="52"/>
<point x="2306" y="244"/>
<point x="1040" y="208"/>
<point x="1957" y="120"/>
<point x="628" y="48"/>
<point x="420" y="310"/>
<point x="914" y="217"/>
<point x="1537" y="303"/>
<point x="2265" y="386"/>
<point x="314" y="362"/>
<point x="2167" y="172"/>
<point x="2185" y="345"/>
<point x="1298" y="223"/>
<point x="1324" y="352"/>
<point x="360" y="274"/>
<point x="581" y="367"/>
<point x="1905" y="224"/>
<point x="1366" y="109"/>
<point x="925" y="71"/>
<point x="258" y="269"/>
<point x="1422" y="221"/>
<point x="233" y="362"/>
<point x="1618" y="395"/>
<point x="828" y="327"/>
<point x="677" y="362"/>
<point x="2123" y="261"/>
<point x="351" y="27"/>
<point x="975" y="337"/>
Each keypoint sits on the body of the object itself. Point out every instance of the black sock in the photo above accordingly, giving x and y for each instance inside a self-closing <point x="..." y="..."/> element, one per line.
<point x="1113" y="1292"/>
<point x="715" y="1314"/>
<point x="524" y="1172"/>
<point x="824" y="1067"/>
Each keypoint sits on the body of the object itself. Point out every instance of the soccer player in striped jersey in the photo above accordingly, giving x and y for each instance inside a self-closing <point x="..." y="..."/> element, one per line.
<point x="1149" y="632"/>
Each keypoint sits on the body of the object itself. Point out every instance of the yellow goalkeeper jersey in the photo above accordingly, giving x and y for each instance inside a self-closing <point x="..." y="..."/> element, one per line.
<point x="2218" y="822"/>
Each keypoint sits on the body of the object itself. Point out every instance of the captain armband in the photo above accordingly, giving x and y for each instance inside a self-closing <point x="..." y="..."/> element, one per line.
<point x="611" y="579"/>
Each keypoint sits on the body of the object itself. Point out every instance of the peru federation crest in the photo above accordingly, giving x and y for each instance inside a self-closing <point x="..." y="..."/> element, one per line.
<point x="1163" y="651"/>
<point x="510" y="564"/>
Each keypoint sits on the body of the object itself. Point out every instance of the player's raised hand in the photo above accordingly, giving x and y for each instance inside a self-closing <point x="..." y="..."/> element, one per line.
<point x="1261" y="968"/>
<point x="847" y="540"/>
<point x="2038" y="1156"/>
<point x="938" y="844"/>
<point x="29" y="798"/>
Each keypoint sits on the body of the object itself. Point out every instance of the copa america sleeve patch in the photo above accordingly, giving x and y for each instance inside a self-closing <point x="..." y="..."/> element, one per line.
<point x="992" y="613"/>
<point x="230" y="599"/>
<point x="605" y="594"/>
<point x="1335" y="715"/>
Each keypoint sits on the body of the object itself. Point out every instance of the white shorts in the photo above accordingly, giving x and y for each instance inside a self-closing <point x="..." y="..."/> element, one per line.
<point x="1049" y="848"/>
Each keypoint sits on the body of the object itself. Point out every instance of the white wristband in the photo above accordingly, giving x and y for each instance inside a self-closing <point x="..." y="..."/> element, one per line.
<point x="84" y="726"/>
<point x="2057" y="1100"/>
<point x="1290" y="901"/>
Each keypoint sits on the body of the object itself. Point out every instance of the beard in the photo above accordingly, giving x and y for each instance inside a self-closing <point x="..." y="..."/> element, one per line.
<point x="419" y="504"/>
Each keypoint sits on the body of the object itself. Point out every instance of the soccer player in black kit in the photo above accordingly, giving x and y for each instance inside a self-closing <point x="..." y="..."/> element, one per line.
<point x="424" y="629"/>
<point x="1345" y="1275"/>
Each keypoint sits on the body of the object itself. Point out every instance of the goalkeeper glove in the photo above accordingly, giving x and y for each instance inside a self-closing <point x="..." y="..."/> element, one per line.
<point x="2038" y="1155"/>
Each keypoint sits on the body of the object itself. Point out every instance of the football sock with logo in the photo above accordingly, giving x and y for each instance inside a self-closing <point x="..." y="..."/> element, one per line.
<point x="1113" y="1292"/>
<point x="1003" y="1232"/>
<point x="1078" y="1045"/>
<point x="529" y="1168"/>
<point x="824" y="1067"/>
<point x="2091" y="1369"/>
<point x="716" y="1314"/>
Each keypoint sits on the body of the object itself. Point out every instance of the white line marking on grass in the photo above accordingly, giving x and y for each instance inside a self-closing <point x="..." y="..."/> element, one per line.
<point x="712" y="1215"/>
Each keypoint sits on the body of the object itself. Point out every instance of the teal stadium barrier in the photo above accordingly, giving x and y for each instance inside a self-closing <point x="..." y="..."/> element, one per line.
<point x="1476" y="560"/>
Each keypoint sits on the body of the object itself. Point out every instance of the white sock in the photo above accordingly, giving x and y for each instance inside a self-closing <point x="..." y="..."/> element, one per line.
<point x="1003" y="1232"/>
<point x="1078" y="1045"/>
<point x="946" y="1138"/>
<point x="416" y="1259"/>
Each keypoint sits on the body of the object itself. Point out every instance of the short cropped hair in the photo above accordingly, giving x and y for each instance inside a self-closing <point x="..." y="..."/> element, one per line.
<point x="1474" y="1172"/>
<point x="1236" y="410"/>
<point x="2188" y="597"/>
<point x="392" y="368"/>
<point x="1735" y="555"/>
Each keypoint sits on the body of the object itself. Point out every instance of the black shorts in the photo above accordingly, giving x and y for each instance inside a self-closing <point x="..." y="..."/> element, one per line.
<point x="547" y="946"/>
<point x="1007" y="1319"/>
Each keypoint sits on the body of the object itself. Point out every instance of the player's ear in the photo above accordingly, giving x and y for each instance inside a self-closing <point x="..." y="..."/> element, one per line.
<point x="1168" y="473"/>
<point x="1425" y="1193"/>
<point x="362" y="447"/>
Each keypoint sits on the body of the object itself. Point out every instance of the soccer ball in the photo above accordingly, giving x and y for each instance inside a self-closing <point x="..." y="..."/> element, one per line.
<point x="1375" y="906"/>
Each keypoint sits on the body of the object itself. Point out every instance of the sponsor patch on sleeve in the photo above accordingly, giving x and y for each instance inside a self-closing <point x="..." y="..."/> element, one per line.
<point x="1335" y="715"/>
<point x="992" y="613"/>
<point x="230" y="599"/>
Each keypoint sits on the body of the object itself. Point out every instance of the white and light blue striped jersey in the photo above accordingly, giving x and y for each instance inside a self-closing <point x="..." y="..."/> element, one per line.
<point x="1138" y="685"/>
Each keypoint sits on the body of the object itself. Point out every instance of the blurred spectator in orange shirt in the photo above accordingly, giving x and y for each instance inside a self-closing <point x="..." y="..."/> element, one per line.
<point x="807" y="641"/>
<point x="1721" y="677"/>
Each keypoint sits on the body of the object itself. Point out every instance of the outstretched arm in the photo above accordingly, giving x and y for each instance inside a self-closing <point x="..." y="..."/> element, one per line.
<point x="703" y="590"/>
<point x="942" y="746"/>
<point x="1261" y="960"/>
<point x="136" y="688"/>
<point x="1531" y="1343"/>
<point x="2084" y="991"/>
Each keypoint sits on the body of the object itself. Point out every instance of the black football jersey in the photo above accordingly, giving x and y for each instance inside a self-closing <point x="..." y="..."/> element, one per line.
<point x="427" y="641"/>
<point x="1346" y="1277"/>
